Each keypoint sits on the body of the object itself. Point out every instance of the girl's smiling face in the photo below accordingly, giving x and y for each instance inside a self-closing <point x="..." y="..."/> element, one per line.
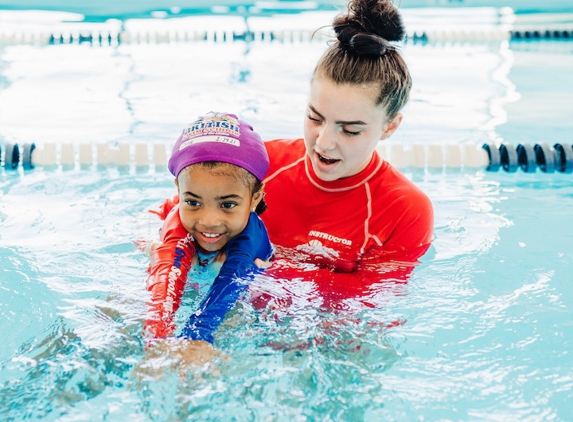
<point x="343" y="126"/>
<point x="215" y="203"/>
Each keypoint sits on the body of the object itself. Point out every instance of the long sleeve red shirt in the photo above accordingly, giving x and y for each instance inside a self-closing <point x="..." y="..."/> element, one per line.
<point x="348" y="234"/>
<point x="376" y="214"/>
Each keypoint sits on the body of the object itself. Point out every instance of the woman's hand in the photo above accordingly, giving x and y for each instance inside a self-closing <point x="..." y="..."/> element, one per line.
<point x="263" y="265"/>
<point x="167" y="355"/>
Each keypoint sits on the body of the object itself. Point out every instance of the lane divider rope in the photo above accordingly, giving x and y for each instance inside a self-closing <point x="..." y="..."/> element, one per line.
<point x="114" y="38"/>
<point x="490" y="157"/>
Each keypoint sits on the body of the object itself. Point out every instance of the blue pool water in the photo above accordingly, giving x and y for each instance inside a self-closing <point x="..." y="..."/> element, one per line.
<point x="482" y="330"/>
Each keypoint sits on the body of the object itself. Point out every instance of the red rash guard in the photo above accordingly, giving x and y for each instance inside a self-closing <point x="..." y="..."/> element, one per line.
<point x="374" y="217"/>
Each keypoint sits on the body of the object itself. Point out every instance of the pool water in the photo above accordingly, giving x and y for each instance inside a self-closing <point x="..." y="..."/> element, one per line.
<point x="482" y="330"/>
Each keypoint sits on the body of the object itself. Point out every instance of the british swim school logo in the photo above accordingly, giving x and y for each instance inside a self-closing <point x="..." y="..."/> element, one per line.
<point x="212" y="128"/>
<point x="213" y="124"/>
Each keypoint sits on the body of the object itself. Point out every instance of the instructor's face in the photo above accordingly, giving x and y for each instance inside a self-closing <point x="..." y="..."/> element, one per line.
<point x="343" y="126"/>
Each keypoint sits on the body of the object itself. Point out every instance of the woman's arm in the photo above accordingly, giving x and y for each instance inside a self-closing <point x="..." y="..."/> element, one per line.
<point x="170" y="264"/>
<point x="165" y="208"/>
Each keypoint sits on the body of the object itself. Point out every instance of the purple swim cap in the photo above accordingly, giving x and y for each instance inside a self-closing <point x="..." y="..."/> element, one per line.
<point x="220" y="137"/>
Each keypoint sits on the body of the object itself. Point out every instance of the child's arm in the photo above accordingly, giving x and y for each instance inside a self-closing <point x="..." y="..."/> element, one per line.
<point x="239" y="266"/>
<point x="170" y="263"/>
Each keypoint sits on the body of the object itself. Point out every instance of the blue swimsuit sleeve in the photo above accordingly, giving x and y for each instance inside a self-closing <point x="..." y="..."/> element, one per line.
<point x="233" y="279"/>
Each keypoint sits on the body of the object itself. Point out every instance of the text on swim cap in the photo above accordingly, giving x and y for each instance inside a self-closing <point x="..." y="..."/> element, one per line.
<point x="210" y="138"/>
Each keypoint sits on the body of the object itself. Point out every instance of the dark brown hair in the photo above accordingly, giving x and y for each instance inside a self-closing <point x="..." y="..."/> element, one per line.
<point x="363" y="52"/>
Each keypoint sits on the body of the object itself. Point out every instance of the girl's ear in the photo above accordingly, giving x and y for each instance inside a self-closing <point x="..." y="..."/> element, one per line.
<point x="392" y="126"/>
<point x="177" y="184"/>
<point x="257" y="197"/>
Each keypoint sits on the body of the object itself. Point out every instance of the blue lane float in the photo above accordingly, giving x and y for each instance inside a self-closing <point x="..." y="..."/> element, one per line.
<point x="528" y="35"/>
<point x="529" y="158"/>
<point x="27" y="163"/>
<point x="11" y="156"/>
<point x="508" y="158"/>
<point x="564" y="158"/>
<point x="545" y="158"/>
<point x="526" y="158"/>
<point x="494" y="157"/>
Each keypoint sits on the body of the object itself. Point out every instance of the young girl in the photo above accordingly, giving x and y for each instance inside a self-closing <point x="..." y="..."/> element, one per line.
<point x="219" y="163"/>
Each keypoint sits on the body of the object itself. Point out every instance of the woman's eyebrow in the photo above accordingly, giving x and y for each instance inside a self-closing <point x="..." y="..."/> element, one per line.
<point x="315" y="111"/>
<point x="351" y="123"/>
<point x="339" y="122"/>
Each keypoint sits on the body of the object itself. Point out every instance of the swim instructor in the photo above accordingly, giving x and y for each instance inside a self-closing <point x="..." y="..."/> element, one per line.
<point x="330" y="194"/>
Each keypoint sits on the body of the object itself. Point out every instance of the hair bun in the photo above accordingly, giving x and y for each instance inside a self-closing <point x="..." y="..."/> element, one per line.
<point x="360" y="42"/>
<point x="369" y="26"/>
<point x="369" y="45"/>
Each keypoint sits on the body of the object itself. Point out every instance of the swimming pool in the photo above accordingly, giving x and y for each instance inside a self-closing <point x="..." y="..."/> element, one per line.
<point x="482" y="331"/>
